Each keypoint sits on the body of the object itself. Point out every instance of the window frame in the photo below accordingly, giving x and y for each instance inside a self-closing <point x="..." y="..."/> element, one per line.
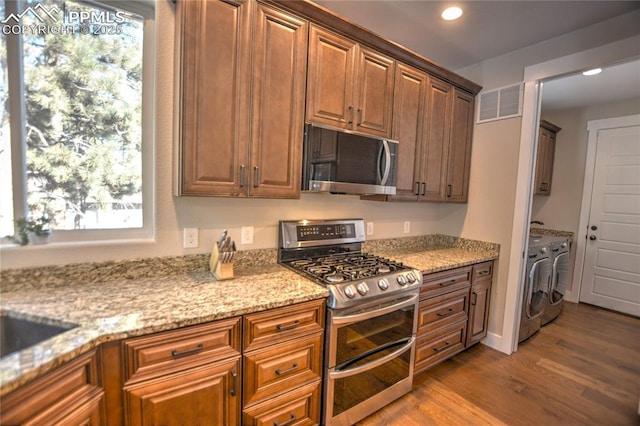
<point x="17" y="108"/>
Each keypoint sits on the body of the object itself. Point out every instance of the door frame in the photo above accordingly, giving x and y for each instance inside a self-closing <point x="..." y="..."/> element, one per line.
<point x="619" y="51"/>
<point x="593" y="126"/>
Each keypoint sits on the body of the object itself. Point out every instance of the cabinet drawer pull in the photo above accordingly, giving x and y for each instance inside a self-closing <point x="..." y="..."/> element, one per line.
<point x="177" y="354"/>
<point x="445" y="346"/>
<point x="291" y="326"/>
<point x="291" y="420"/>
<point x="294" y="367"/>
<point x="444" y="314"/>
<point x="446" y="283"/>
<point x="486" y="272"/>
<point x="242" y="176"/>
<point x="234" y="374"/>
<point x="256" y="176"/>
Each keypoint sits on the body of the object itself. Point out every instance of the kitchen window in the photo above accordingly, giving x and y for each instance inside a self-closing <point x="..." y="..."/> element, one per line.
<point x="76" y="120"/>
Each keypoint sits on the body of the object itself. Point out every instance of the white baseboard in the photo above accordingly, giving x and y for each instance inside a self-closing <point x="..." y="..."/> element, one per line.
<point x="495" y="341"/>
<point x="572" y="297"/>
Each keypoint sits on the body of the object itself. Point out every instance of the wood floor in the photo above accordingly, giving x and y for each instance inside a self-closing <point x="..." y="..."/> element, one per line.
<point x="582" y="369"/>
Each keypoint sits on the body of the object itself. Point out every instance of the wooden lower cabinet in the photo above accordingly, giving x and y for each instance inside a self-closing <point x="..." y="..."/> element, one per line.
<point x="69" y="395"/>
<point x="453" y="313"/>
<point x="479" y="302"/>
<point x="283" y="351"/>
<point x="208" y="395"/>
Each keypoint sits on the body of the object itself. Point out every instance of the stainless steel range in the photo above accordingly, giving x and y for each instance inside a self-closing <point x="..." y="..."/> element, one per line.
<point x="371" y="317"/>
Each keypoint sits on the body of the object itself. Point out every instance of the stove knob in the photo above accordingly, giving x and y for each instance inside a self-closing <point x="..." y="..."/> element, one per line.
<point x="383" y="284"/>
<point x="350" y="291"/>
<point x="363" y="288"/>
<point x="401" y="280"/>
<point x="411" y="277"/>
<point x="543" y="250"/>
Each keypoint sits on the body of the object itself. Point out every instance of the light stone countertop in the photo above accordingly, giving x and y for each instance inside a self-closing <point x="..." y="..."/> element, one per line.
<point x="116" y="300"/>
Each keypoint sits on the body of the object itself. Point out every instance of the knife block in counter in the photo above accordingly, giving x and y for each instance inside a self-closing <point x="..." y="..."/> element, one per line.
<point x="222" y="271"/>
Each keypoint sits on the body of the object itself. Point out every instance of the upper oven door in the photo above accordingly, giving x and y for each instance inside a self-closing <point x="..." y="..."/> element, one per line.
<point x="345" y="162"/>
<point x="365" y="335"/>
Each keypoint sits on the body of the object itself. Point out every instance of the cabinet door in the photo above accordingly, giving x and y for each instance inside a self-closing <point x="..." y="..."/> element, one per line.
<point x="478" y="311"/>
<point x="440" y="98"/>
<point x="374" y="92"/>
<point x="459" y="157"/>
<point x="278" y="90"/>
<point x="69" y="395"/>
<point x="209" y="395"/>
<point x="545" y="160"/>
<point x="330" y="79"/>
<point x="409" y="101"/>
<point x="215" y="93"/>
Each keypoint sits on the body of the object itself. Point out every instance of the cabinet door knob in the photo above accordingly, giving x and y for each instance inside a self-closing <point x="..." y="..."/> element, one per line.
<point x="592" y="238"/>
<point x="594" y="228"/>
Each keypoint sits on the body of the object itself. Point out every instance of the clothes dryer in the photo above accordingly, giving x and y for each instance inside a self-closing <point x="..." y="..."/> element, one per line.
<point x="559" y="253"/>
<point x="536" y="288"/>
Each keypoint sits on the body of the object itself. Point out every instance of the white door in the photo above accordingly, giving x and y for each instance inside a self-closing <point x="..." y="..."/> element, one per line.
<point x="611" y="269"/>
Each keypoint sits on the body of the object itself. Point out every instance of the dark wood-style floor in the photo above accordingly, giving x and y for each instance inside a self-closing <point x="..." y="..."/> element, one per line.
<point x="582" y="369"/>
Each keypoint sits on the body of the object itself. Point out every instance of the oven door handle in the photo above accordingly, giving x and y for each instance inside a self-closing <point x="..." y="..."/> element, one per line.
<point x="342" y="319"/>
<point x="357" y="370"/>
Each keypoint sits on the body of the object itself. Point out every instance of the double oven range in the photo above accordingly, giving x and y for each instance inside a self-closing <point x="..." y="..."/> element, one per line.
<point x="371" y="315"/>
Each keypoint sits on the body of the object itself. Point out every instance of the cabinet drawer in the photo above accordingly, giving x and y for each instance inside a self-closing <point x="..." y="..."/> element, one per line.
<point x="170" y="351"/>
<point x="299" y="407"/>
<point x="482" y="271"/>
<point x="440" y="345"/>
<point x="279" y="368"/>
<point x="278" y="325"/>
<point x="443" y="310"/>
<point x="445" y="281"/>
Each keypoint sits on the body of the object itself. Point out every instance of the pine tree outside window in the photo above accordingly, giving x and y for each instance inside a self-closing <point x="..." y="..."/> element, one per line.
<point x="76" y="140"/>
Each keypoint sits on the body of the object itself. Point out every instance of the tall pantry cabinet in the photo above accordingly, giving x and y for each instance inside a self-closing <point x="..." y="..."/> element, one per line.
<point x="243" y="77"/>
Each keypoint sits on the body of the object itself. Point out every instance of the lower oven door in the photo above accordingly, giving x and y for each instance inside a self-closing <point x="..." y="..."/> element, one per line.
<point x="370" y="359"/>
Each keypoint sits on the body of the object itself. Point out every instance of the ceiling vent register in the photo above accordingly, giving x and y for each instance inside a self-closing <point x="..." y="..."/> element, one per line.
<point x="501" y="103"/>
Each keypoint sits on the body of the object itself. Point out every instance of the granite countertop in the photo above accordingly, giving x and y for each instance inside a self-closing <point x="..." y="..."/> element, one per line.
<point x="116" y="300"/>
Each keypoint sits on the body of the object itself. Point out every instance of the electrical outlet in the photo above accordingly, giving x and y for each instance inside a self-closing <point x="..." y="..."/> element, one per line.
<point x="190" y="238"/>
<point x="369" y="228"/>
<point x="407" y="227"/>
<point x="246" y="235"/>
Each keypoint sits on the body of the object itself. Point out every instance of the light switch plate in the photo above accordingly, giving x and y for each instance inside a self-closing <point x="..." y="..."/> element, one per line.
<point x="407" y="227"/>
<point x="369" y="228"/>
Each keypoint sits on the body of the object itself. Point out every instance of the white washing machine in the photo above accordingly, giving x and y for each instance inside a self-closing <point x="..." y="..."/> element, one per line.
<point x="536" y="287"/>
<point x="559" y="252"/>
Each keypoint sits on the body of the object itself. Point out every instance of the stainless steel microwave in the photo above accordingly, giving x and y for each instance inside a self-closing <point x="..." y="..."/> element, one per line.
<point x="344" y="162"/>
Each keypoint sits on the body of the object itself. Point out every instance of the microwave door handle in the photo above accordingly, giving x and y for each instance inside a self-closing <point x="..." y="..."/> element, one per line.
<point x="387" y="162"/>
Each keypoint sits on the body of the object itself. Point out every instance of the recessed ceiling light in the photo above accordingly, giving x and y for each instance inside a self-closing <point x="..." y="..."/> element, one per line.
<point x="593" y="71"/>
<point x="451" y="13"/>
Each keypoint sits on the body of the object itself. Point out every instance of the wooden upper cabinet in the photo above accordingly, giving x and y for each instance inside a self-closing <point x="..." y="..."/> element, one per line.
<point x="459" y="156"/>
<point x="349" y="86"/>
<point x="409" y="107"/>
<point x="440" y="96"/>
<point x="243" y="89"/>
<point x="214" y="115"/>
<point x="278" y="94"/>
<point x="545" y="158"/>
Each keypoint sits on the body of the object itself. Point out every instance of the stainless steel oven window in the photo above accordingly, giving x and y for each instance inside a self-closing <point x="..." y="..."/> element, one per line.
<point x="351" y="390"/>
